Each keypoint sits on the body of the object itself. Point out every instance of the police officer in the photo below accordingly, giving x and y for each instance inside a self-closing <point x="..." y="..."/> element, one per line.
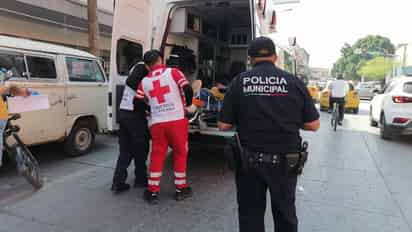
<point x="268" y="107"/>
<point x="133" y="134"/>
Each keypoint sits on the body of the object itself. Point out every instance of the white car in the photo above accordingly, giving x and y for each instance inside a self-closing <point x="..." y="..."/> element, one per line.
<point x="392" y="109"/>
<point x="367" y="90"/>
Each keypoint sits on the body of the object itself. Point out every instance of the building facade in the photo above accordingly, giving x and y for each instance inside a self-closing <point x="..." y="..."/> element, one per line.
<point x="62" y="22"/>
<point x="302" y="62"/>
<point x="321" y="74"/>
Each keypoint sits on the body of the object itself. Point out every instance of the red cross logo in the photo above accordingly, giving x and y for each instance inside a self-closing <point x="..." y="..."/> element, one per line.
<point x="159" y="92"/>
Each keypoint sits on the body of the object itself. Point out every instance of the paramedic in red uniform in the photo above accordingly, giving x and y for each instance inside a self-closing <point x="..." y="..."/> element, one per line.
<point x="168" y="94"/>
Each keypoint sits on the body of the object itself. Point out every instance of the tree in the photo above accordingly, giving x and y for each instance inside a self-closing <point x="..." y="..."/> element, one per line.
<point x="353" y="58"/>
<point x="375" y="44"/>
<point x="93" y="24"/>
<point x="376" y="68"/>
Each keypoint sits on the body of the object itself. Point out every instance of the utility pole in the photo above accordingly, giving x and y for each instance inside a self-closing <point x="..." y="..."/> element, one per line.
<point x="93" y="27"/>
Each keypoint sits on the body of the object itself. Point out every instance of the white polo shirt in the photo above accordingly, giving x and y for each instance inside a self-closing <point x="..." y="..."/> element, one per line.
<point x="338" y="89"/>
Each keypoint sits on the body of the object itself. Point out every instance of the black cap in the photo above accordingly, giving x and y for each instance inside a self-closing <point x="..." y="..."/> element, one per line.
<point x="151" y="56"/>
<point x="261" y="47"/>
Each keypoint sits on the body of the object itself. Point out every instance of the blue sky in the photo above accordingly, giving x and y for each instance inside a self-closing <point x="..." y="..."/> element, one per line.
<point x="323" y="26"/>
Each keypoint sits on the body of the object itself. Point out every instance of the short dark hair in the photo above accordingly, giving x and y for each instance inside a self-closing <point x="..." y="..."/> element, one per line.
<point x="339" y="76"/>
<point x="151" y="57"/>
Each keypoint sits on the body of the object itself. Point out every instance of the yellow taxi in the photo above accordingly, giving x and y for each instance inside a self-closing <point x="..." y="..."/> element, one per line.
<point x="314" y="92"/>
<point x="352" y="99"/>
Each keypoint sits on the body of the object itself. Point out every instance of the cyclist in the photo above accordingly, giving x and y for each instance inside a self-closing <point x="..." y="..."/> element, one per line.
<point x="338" y="90"/>
<point x="5" y="71"/>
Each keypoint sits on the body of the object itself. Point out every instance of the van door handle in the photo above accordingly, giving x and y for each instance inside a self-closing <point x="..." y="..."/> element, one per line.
<point x="60" y="101"/>
<point x="71" y="97"/>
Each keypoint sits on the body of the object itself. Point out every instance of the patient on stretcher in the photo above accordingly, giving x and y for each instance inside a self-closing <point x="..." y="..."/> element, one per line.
<point x="209" y="99"/>
<point x="212" y="99"/>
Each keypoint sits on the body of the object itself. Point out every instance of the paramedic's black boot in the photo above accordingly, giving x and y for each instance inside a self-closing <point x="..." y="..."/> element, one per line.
<point x="183" y="193"/>
<point x="151" y="197"/>
<point x="120" y="188"/>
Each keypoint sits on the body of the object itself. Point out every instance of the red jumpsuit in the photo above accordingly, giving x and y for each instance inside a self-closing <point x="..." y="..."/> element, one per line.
<point x="168" y="125"/>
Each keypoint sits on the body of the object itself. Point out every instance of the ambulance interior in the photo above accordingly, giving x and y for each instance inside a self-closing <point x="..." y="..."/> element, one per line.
<point x="208" y="41"/>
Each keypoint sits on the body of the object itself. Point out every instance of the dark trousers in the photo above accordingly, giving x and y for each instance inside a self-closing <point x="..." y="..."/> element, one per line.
<point x="134" y="140"/>
<point x="252" y="186"/>
<point x="341" y="106"/>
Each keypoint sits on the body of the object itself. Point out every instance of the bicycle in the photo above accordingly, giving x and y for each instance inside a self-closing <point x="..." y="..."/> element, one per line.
<point x="26" y="163"/>
<point x="335" y="116"/>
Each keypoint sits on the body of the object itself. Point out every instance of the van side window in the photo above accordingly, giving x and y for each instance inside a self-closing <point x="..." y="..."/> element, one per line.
<point x="13" y="62"/>
<point x="128" y="54"/>
<point x="41" y="67"/>
<point x="82" y="70"/>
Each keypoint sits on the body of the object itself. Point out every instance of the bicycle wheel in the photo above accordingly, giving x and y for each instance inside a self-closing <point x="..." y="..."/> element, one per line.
<point x="28" y="167"/>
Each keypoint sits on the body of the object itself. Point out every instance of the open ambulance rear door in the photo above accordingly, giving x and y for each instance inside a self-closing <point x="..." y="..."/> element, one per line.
<point x="131" y="37"/>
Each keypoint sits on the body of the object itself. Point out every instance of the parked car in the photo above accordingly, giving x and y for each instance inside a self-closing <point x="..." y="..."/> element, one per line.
<point x="352" y="98"/>
<point x="367" y="90"/>
<point x="75" y="84"/>
<point x="392" y="108"/>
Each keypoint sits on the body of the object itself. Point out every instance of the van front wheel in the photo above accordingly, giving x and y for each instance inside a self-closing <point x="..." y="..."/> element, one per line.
<point x="81" y="139"/>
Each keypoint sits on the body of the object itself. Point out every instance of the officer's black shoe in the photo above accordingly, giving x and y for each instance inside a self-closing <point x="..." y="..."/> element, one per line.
<point x="140" y="183"/>
<point x="119" y="188"/>
<point x="340" y="123"/>
<point x="151" y="197"/>
<point x="183" y="193"/>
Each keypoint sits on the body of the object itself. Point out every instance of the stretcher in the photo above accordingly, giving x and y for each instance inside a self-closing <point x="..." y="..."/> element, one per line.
<point x="204" y="120"/>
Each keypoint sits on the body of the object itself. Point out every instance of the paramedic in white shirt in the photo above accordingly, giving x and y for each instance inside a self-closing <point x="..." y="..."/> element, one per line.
<point x="338" y="90"/>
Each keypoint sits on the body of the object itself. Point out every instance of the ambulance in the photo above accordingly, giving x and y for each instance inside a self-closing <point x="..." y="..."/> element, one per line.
<point x="206" y="36"/>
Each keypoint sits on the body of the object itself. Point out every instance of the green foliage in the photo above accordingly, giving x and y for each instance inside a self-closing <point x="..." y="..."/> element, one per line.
<point x="376" y="68"/>
<point x="353" y="58"/>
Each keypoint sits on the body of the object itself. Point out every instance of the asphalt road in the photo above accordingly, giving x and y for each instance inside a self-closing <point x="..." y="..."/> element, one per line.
<point x="354" y="181"/>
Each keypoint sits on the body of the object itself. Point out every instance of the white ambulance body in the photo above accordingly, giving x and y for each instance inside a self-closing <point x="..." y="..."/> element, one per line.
<point x="217" y="32"/>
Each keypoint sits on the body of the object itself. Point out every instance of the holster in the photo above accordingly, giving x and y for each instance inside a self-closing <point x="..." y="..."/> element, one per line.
<point x="296" y="161"/>
<point x="232" y="154"/>
<point x="235" y="154"/>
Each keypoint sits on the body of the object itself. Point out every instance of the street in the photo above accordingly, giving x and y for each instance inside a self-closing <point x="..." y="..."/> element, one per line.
<point x="354" y="181"/>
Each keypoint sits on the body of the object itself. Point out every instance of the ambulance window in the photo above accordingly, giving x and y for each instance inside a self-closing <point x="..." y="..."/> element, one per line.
<point x="14" y="63"/>
<point x="41" y="67"/>
<point x="128" y="54"/>
<point x="81" y="70"/>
